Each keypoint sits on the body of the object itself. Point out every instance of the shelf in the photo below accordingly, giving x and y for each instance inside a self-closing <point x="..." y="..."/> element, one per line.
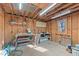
<point x="14" y="23"/>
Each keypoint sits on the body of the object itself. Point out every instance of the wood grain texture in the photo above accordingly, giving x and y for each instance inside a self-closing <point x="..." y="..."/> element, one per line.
<point x="1" y="29"/>
<point x="71" y="30"/>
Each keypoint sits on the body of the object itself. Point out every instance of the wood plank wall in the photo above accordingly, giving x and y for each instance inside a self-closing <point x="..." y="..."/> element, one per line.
<point x="72" y="27"/>
<point x="11" y="30"/>
<point x="51" y="28"/>
<point x="7" y="30"/>
<point x="1" y="28"/>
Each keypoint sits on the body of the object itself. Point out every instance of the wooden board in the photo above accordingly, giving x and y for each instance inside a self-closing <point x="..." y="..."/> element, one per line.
<point x="1" y="29"/>
<point x="75" y="28"/>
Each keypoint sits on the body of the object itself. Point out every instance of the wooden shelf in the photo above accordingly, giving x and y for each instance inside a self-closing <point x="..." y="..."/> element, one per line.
<point x="14" y="23"/>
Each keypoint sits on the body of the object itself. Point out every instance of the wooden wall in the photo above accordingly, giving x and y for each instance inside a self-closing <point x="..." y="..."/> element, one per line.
<point x="52" y="28"/>
<point x="11" y="30"/>
<point x="72" y="27"/>
<point x="7" y="31"/>
<point x="75" y="28"/>
<point x="1" y="28"/>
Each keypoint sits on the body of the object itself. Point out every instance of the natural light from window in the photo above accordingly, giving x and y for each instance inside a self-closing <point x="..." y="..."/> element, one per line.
<point x="40" y="49"/>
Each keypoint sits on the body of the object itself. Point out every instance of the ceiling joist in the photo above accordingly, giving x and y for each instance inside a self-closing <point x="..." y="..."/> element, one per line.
<point x="11" y="9"/>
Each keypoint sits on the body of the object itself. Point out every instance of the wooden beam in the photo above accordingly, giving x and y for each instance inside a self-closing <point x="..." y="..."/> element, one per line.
<point x="2" y="7"/>
<point x="7" y="7"/>
<point x="24" y="16"/>
<point x="69" y="8"/>
<point x="74" y="6"/>
<point x="36" y="10"/>
<point x="18" y="15"/>
<point x="55" y="8"/>
<point x="65" y="6"/>
<point x="36" y="14"/>
<point x="11" y="7"/>
<point x="61" y="5"/>
<point x="60" y="8"/>
<point x="73" y="11"/>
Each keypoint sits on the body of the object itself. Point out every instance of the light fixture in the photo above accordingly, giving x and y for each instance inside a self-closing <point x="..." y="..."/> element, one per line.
<point x="20" y="6"/>
<point x="65" y="12"/>
<point x="48" y="8"/>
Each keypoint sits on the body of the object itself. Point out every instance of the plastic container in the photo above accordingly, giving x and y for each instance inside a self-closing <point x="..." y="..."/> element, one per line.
<point x="77" y="46"/>
<point x="5" y="52"/>
<point x="75" y="51"/>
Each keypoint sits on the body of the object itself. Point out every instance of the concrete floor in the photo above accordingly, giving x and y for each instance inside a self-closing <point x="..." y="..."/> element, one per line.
<point x="46" y="48"/>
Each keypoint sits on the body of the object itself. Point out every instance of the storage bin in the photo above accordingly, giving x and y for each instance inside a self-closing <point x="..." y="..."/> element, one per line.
<point x="75" y="51"/>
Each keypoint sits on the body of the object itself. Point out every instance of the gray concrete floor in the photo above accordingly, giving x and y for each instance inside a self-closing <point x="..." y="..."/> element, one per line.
<point x="46" y="48"/>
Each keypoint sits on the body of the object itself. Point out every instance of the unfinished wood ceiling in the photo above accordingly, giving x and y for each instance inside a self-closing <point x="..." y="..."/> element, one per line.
<point x="28" y="9"/>
<point x="62" y="9"/>
<point x="41" y="5"/>
<point x="32" y="10"/>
